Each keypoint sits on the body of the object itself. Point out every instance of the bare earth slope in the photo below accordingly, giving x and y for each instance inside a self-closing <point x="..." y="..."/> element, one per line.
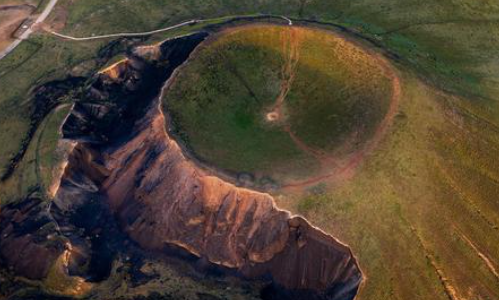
<point x="164" y="202"/>
<point x="163" y="199"/>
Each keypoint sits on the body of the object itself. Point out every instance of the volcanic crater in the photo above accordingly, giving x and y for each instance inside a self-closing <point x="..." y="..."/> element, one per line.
<point x="127" y="164"/>
<point x="280" y="106"/>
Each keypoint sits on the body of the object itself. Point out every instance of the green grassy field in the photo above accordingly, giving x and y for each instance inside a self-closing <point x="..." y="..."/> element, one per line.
<point x="339" y="92"/>
<point x="228" y="102"/>
<point x="421" y="212"/>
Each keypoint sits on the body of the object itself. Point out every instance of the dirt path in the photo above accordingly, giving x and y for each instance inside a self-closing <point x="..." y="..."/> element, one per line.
<point x="323" y="158"/>
<point x="290" y="43"/>
<point x="356" y="158"/>
<point x="145" y="33"/>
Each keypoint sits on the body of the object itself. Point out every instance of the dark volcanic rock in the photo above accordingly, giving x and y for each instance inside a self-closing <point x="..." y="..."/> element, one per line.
<point x="44" y="99"/>
<point x="119" y="95"/>
<point x="29" y="242"/>
<point x="161" y="198"/>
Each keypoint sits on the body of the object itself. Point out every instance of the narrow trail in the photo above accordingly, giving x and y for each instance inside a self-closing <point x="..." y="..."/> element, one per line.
<point x="323" y="158"/>
<point x="121" y="34"/>
<point x="165" y="29"/>
<point x="357" y="157"/>
<point x="291" y="42"/>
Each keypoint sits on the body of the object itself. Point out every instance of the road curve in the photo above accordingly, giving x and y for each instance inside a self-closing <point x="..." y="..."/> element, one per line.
<point x="48" y="9"/>
<point x="134" y="34"/>
<point x="51" y="6"/>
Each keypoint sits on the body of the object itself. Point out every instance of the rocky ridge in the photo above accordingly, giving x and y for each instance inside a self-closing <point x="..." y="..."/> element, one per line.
<point x="126" y="160"/>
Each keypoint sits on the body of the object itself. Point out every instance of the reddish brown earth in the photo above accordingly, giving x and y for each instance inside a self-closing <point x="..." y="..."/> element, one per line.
<point x="162" y="200"/>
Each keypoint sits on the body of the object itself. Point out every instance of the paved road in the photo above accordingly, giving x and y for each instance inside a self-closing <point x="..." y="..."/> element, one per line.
<point x="51" y="5"/>
<point x="132" y="34"/>
<point x="29" y="31"/>
<point x="123" y="34"/>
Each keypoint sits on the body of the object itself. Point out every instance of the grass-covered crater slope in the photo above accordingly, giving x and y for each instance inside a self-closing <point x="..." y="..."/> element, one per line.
<point x="282" y="103"/>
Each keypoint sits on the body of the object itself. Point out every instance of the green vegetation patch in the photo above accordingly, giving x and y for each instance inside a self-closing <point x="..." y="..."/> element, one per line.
<point x="267" y="99"/>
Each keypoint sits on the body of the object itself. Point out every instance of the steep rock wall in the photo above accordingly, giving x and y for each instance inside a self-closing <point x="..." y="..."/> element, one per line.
<point x="161" y="198"/>
<point x="125" y="161"/>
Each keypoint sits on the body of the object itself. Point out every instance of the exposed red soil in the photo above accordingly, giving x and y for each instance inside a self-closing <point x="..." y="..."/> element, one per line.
<point x="162" y="198"/>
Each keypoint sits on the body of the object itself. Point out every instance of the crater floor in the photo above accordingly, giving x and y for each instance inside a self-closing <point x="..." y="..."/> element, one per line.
<point x="276" y="105"/>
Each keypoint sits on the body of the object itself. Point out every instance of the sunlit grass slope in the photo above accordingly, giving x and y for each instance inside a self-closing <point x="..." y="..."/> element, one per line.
<point x="421" y="211"/>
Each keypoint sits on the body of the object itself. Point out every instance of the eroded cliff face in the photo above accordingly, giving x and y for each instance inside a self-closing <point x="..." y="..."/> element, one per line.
<point x="125" y="166"/>
<point x="36" y="233"/>
<point x="162" y="199"/>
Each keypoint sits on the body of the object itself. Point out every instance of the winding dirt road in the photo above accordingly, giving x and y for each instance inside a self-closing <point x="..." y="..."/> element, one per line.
<point x="123" y="34"/>
<point x="357" y="157"/>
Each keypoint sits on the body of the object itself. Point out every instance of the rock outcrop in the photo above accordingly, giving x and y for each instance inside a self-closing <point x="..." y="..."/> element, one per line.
<point x="125" y="166"/>
<point x="29" y="243"/>
<point x="161" y="199"/>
